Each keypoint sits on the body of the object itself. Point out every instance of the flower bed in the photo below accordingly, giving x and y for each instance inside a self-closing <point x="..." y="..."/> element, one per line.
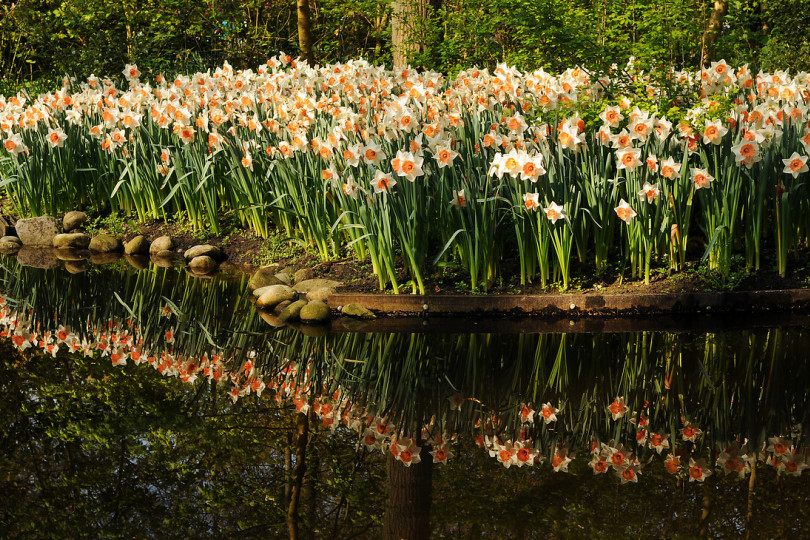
<point x="413" y="169"/>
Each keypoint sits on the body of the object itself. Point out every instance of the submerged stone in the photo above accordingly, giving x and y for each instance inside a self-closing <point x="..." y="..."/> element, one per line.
<point x="315" y="312"/>
<point x="357" y="311"/>
<point x="292" y="311"/>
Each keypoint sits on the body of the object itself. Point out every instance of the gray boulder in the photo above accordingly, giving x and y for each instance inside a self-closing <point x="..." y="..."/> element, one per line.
<point x="71" y="240"/>
<point x="357" y="311"/>
<point x="315" y="312"/>
<point x="74" y="220"/>
<point x="284" y="277"/>
<point x="137" y="246"/>
<point x="37" y="231"/>
<point x="104" y="243"/>
<point x="203" y="264"/>
<point x="274" y="295"/>
<point x="161" y="243"/>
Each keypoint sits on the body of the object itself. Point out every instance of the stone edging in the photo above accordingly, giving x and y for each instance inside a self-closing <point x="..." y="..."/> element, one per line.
<point x="560" y="306"/>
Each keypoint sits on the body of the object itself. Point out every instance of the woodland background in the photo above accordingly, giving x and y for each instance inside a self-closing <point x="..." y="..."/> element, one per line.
<point x="42" y="40"/>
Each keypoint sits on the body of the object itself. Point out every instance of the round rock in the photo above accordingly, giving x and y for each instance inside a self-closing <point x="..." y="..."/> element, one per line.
<point x="205" y="249"/>
<point x="318" y="283"/>
<point x="315" y="312"/>
<point x="321" y="294"/>
<point x="274" y="295"/>
<point x="71" y="240"/>
<point x="203" y="264"/>
<point x="303" y="275"/>
<point x="104" y="243"/>
<point x="74" y="220"/>
<point x="264" y="277"/>
<point x="137" y="246"/>
<point x="10" y="244"/>
<point x="291" y="312"/>
<point x="161" y="243"/>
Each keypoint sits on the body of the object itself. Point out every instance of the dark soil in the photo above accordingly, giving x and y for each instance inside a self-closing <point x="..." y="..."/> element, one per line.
<point x="246" y="252"/>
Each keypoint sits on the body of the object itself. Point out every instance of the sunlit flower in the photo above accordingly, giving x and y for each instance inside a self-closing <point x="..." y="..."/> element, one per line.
<point x="382" y="182"/>
<point x="650" y="191"/>
<point x="554" y="212"/>
<point x="795" y="165"/>
<point x="531" y="201"/>
<point x="702" y="178"/>
<point x="624" y="211"/>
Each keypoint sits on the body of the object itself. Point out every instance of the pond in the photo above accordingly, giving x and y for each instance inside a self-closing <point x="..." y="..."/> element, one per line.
<point x="152" y="403"/>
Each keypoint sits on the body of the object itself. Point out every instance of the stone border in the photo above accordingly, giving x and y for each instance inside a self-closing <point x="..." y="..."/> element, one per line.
<point x="567" y="306"/>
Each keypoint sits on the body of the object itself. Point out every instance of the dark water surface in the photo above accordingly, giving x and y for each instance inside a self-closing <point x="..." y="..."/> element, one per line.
<point x="154" y="404"/>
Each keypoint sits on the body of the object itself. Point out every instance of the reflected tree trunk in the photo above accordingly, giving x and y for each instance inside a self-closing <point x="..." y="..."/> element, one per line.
<point x="752" y="485"/>
<point x="302" y="435"/>
<point x="287" y="470"/>
<point x="407" y="508"/>
<point x="709" y="489"/>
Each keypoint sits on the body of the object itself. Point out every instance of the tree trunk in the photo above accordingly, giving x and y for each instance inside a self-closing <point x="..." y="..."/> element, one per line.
<point x="409" y="25"/>
<point x="305" y="31"/>
<point x="302" y="429"/>
<point x="407" y="509"/>
<point x="713" y="30"/>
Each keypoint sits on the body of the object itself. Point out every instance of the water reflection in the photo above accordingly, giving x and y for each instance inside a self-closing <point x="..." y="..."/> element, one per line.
<point x="409" y="434"/>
